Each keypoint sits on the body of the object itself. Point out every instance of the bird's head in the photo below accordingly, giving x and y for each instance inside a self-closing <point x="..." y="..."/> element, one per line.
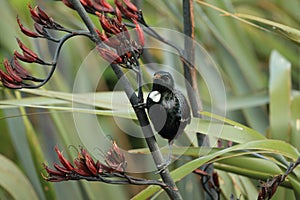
<point x="163" y="80"/>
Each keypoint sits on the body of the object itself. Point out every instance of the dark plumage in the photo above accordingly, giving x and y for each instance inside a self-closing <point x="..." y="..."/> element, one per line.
<point x="167" y="107"/>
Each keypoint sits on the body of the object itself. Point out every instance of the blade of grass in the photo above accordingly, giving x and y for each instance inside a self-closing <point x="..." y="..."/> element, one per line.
<point x="272" y="146"/>
<point x="237" y="59"/>
<point x="280" y="95"/>
<point x="234" y="133"/>
<point x="101" y="99"/>
<point x="247" y="101"/>
<point x="287" y="31"/>
<point x="36" y="151"/>
<point x="19" y="140"/>
<point x="14" y="181"/>
<point x="295" y="114"/>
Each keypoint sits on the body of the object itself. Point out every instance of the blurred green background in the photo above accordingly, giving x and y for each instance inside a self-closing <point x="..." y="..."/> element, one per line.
<point x="260" y="70"/>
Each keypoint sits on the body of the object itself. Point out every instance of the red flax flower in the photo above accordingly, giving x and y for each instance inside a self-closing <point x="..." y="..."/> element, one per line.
<point x="26" y="31"/>
<point x="40" y="31"/>
<point x="10" y="79"/>
<point x="28" y="55"/>
<point x="85" y="167"/>
<point x="42" y="22"/>
<point x="128" y="9"/>
<point x="93" y="6"/>
<point x="109" y="55"/>
<point x="115" y="158"/>
<point x="121" y="48"/>
<point x="40" y="17"/>
<point x="15" y="75"/>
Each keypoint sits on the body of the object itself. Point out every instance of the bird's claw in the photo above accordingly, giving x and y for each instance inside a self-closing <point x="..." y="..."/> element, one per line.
<point x="163" y="166"/>
<point x="140" y="106"/>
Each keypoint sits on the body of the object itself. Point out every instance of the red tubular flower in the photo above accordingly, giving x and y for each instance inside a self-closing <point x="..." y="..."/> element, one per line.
<point x="5" y="78"/>
<point x="67" y="3"/>
<point x="116" y="159"/>
<point x="24" y="58"/>
<point x="97" y="6"/>
<point x="113" y="42"/>
<point x="11" y="79"/>
<point x="27" y="31"/>
<point x="129" y="10"/>
<point x="11" y="72"/>
<point x="63" y="160"/>
<point x="43" y="15"/>
<point x="88" y="161"/>
<point x="114" y="27"/>
<point x="39" y="28"/>
<point x="61" y="169"/>
<point x="88" y="3"/>
<point x="26" y="51"/>
<point x="60" y="173"/>
<point x="15" y="74"/>
<point x="109" y="56"/>
<point x="81" y="168"/>
<point x="116" y="35"/>
<point x="28" y="55"/>
<point x="93" y="6"/>
<point x="10" y="85"/>
<point x="105" y="5"/>
<point x="85" y="166"/>
<point x="53" y="172"/>
<point x="118" y="14"/>
<point x="108" y="25"/>
<point x="40" y="17"/>
<point x="139" y="33"/>
<point x="35" y="16"/>
<point x="130" y="6"/>
<point x="19" y="69"/>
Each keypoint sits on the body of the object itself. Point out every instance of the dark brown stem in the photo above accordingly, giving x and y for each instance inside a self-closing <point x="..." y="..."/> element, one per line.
<point x="171" y="188"/>
<point x="118" y="178"/>
<point x="189" y="54"/>
<point x="193" y="92"/>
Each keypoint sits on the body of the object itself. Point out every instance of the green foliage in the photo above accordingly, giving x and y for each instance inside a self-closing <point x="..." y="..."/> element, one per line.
<point x="11" y="178"/>
<point x="257" y="54"/>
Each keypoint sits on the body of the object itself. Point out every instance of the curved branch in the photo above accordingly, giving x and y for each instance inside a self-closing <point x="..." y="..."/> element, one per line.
<point x="56" y="56"/>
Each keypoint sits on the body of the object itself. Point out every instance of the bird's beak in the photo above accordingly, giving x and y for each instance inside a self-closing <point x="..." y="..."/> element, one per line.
<point x="157" y="76"/>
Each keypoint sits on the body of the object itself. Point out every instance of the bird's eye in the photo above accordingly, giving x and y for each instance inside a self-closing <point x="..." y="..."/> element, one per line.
<point x="165" y="78"/>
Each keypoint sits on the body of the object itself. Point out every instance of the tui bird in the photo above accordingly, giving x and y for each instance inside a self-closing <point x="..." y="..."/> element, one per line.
<point x="168" y="109"/>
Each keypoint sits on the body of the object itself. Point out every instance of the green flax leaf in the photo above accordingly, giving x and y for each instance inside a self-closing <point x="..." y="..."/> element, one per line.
<point x="14" y="181"/>
<point x="280" y="97"/>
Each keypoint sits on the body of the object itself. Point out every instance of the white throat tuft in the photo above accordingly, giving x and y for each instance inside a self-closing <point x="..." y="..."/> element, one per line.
<point x="155" y="96"/>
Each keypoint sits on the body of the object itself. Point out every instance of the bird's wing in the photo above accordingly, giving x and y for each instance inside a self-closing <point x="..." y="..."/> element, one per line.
<point x="185" y="112"/>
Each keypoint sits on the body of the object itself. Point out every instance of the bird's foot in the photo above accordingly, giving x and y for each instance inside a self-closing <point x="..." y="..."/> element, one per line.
<point x="140" y="105"/>
<point x="168" y="161"/>
<point x="163" y="166"/>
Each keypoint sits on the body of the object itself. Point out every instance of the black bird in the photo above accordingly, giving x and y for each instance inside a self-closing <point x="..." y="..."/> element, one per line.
<point x="167" y="107"/>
